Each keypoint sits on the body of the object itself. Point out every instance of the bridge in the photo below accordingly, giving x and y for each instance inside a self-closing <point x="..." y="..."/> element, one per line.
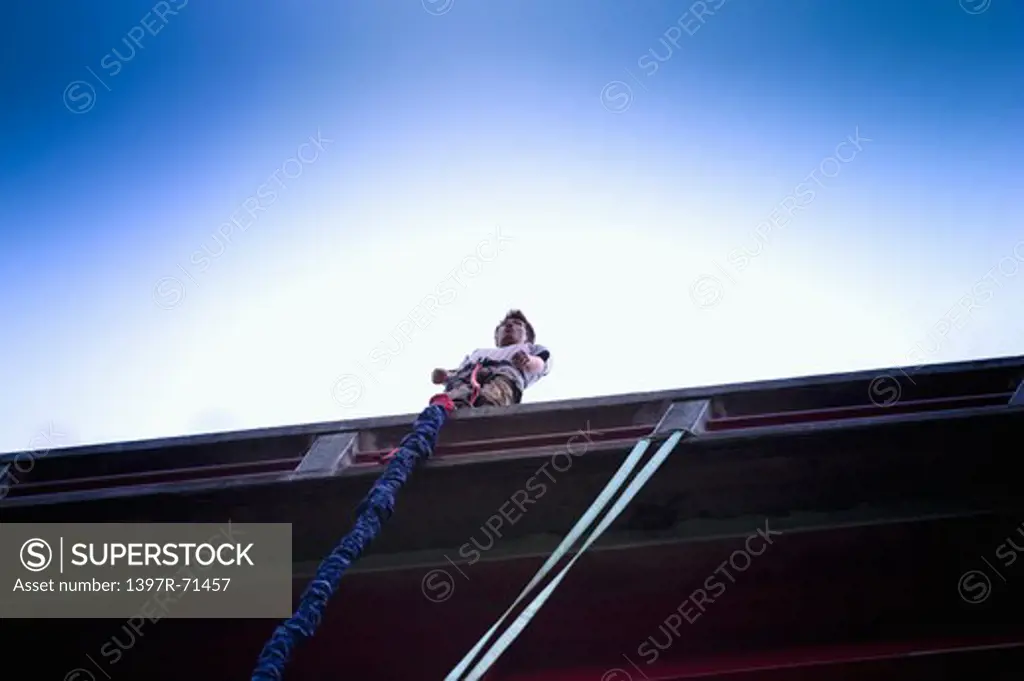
<point x="848" y="526"/>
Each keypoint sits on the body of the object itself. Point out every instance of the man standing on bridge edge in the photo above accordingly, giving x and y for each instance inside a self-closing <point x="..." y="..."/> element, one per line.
<point x="498" y="376"/>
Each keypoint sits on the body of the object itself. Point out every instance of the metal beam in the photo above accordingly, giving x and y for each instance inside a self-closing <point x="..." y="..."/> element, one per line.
<point x="562" y="440"/>
<point x="688" y="416"/>
<point x="858" y="411"/>
<point x="859" y="423"/>
<point x="991" y="417"/>
<point x="535" y="549"/>
<point x="627" y="668"/>
<point x="5" y="468"/>
<point x="329" y="453"/>
<point x="703" y="392"/>
<point x="1018" y="396"/>
<point x="238" y="483"/>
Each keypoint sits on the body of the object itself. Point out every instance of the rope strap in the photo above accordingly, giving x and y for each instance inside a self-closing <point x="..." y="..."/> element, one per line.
<point x="517" y="626"/>
<point x="575" y="533"/>
<point x="473" y="381"/>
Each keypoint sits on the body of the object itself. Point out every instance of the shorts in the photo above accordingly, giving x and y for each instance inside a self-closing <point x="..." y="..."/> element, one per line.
<point x="495" y="391"/>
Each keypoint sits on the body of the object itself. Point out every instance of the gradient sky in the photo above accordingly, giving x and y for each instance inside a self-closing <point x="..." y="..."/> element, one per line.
<point x="678" y="198"/>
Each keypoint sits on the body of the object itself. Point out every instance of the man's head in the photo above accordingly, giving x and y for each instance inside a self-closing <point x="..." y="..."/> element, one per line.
<point x="513" y="329"/>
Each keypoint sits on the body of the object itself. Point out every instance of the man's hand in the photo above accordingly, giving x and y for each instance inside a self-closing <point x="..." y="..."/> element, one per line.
<point x="528" y="363"/>
<point x="439" y="376"/>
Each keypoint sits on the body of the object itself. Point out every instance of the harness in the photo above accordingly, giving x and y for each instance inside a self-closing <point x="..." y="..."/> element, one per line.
<point x="474" y="382"/>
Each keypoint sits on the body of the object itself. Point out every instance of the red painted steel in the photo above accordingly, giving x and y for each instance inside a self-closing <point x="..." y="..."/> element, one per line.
<point x="521" y="442"/>
<point x="858" y="411"/>
<point x="508" y="443"/>
<point x="149" y="477"/>
<point x="755" y="664"/>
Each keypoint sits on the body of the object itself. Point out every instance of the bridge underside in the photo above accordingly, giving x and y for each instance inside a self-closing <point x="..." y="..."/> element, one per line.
<point x="840" y="600"/>
<point x="819" y="549"/>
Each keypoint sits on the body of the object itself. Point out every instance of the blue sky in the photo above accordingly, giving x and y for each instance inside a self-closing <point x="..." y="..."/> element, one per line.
<point x="216" y="217"/>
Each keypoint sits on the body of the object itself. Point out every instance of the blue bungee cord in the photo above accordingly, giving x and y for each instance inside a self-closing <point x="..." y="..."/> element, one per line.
<point x="370" y="516"/>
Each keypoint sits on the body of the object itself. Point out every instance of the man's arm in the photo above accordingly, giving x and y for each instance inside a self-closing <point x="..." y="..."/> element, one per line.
<point x="536" y="363"/>
<point x="544" y="355"/>
<point x="440" y="376"/>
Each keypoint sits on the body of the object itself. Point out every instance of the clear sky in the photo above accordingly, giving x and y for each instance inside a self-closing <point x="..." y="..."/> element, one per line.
<point x="222" y="216"/>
